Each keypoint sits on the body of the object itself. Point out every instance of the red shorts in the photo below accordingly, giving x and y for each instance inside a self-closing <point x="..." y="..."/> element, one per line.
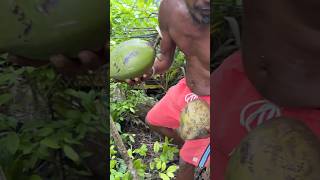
<point x="239" y="108"/>
<point x="166" y="113"/>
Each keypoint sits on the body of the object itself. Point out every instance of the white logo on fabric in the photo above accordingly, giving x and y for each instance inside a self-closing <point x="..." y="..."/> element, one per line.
<point x="190" y="97"/>
<point x="195" y="159"/>
<point x="265" y="110"/>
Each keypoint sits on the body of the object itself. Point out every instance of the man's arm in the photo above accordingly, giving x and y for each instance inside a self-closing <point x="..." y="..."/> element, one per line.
<point x="167" y="48"/>
<point x="167" y="45"/>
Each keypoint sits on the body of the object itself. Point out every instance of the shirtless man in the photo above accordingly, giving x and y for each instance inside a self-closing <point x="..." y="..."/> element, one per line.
<point x="183" y="24"/>
<point x="276" y="74"/>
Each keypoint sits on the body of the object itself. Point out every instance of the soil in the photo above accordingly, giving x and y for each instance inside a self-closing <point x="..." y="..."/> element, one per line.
<point x="143" y="135"/>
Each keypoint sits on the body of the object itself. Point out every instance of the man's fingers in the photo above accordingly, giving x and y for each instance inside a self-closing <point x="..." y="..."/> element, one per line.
<point x="130" y="82"/>
<point x="66" y="65"/>
<point x="62" y="62"/>
<point x="133" y="81"/>
<point x="90" y="60"/>
<point x="137" y="79"/>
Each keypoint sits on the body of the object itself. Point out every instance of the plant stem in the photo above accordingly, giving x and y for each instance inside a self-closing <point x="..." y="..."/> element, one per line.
<point x="2" y="175"/>
<point x="61" y="164"/>
<point x="122" y="149"/>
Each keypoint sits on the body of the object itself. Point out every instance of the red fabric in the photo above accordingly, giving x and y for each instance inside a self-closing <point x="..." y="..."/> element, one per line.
<point x="192" y="151"/>
<point x="238" y="107"/>
<point x="166" y="113"/>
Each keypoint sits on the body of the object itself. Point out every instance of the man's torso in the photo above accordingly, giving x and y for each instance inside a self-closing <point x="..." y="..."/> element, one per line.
<point x="194" y="41"/>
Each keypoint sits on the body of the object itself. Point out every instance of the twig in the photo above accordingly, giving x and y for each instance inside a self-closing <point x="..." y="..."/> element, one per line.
<point x="157" y="40"/>
<point x="2" y="175"/>
<point x="122" y="149"/>
<point x="137" y="36"/>
<point x="61" y="164"/>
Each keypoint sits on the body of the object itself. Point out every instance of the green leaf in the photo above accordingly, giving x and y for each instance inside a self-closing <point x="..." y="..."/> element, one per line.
<point x="170" y="174"/>
<point x="172" y="168"/>
<point x="42" y="152"/>
<point x="86" y="154"/>
<point x="86" y="101"/>
<point x="29" y="69"/>
<point x="73" y="114"/>
<point x="4" y="98"/>
<point x="131" y="139"/>
<point x="163" y="166"/>
<point x="140" y="3"/>
<point x="164" y="176"/>
<point x="86" y="117"/>
<point x="82" y="130"/>
<point x="163" y="157"/>
<point x="166" y="140"/>
<point x="156" y="147"/>
<point x="70" y="140"/>
<point x="141" y="172"/>
<point x="137" y="163"/>
<point x="50" y="142"/>
<point x="32" y="162"/>
<point x="112" y="177"/>
<point x="83" y="173"/>
<point x="112" y="150"/>
<point x="72" y="92"/>
<point x="32" y="124"/>
<point x="158" y="165"/>
<point x="27" y="149"/>
<point x="151" y="165"/>
<point x="132" y="110"/>
<point x="50" y="74"/>
<point x="118" y="126"/>
<point x="45" y="131"/>
<point x="113" y="163"/>
<point x="127" y="176"/>
<point x="142" y="151"/>
<point x="70" y="153"/>
<point x="123" y="166"/>
<point x="35" y="177"/>
<point x="4" y="78"/>
<point x="130" y="153"/>
<point x="11" y="142"/>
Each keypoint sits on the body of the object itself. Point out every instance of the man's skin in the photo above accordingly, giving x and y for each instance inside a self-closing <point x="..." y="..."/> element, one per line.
<point x="281" y="41"/>
<point x="184" y="24"/>
<point x="281" y="45"/>
<point x="86" y="61"/>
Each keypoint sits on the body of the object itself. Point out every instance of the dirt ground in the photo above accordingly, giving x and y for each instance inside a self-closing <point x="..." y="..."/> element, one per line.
<point x="143" y="135"/>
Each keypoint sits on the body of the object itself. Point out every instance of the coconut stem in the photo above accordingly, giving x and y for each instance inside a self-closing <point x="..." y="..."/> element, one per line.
<point x="156" y="42"/>
<point x="158" y="38"/>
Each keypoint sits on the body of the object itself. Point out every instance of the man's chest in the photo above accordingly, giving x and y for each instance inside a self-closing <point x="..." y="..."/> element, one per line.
<point x="238" y="108"/>
<point x="191" y="40"/>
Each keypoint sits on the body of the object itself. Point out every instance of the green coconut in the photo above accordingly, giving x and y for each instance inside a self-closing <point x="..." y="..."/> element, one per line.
<point x="37" y="29"/>
<point x="131" y="59"/>
<point x="280" y="149"/>
<point x="195" y="120"/>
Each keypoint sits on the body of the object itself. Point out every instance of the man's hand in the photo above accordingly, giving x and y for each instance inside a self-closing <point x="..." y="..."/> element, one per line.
<point x="86" y="61"/>
<point x="149" y="73"/>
